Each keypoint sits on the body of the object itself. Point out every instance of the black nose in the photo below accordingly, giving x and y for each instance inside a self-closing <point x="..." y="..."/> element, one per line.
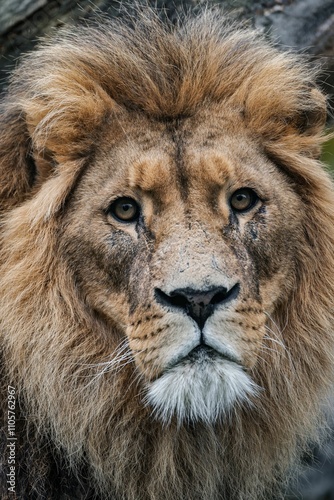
<point x="198" y="304"/>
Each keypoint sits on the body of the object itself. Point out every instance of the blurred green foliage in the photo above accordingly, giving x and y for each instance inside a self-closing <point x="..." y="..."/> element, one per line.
<point x="328" y="154"/>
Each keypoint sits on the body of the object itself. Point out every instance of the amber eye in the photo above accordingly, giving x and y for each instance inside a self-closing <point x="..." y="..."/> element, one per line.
<point x="124" y="209"/>
<point x="243" y="199"/>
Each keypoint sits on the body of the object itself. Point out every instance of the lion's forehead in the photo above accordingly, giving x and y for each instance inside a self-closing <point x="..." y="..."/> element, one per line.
<point x="173" y="161"/>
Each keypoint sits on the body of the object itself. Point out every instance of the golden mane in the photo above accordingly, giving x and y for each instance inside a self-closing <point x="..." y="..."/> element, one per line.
<point x="165" y="72"/>
<point x="59" y="101"/>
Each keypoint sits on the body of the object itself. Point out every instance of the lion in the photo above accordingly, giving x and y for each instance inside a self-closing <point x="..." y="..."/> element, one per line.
<point x="166" y="283"/>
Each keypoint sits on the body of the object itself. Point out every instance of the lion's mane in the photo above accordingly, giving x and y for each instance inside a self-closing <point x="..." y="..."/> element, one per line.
<point x="81" y="430"/>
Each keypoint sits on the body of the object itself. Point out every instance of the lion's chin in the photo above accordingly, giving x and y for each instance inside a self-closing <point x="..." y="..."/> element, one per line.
<point x="203" y="386"/>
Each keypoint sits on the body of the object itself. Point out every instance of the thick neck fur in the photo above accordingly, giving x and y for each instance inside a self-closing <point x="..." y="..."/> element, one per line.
<point x="99" y="419"/>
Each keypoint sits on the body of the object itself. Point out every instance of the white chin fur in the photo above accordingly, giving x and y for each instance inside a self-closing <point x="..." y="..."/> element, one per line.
<point x="201" y="389"/>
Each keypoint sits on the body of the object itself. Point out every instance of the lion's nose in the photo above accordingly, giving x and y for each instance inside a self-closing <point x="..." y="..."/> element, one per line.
<point x="198" y="304"/>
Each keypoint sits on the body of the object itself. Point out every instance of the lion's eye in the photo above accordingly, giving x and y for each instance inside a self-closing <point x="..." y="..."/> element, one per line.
<point x="124" y="209"/>
<point x="243" y="199"/>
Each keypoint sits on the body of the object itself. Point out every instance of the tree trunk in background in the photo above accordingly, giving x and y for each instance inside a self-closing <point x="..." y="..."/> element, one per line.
<point x="303" y="25"/>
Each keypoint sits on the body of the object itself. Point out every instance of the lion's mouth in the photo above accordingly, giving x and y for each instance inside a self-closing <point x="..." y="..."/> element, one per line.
<point x="203" y="353"/>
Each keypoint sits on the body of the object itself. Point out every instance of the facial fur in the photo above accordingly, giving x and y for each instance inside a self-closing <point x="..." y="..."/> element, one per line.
<point x="186" y="237"/>
<point x="136" y="341"/>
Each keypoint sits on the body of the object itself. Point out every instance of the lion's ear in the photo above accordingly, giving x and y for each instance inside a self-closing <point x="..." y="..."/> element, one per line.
<point x="64" y="118"/>
<point x="23" y="166"/>
<point x="296" y="126"/>
<point x="17" y="168"/>
<point x="44" y="165"/>
<point x="311" y="118"/>
<point x="58" y="125"/>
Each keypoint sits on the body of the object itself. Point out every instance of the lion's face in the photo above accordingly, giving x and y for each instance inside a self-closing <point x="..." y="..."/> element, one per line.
<point x="183" y="234"/>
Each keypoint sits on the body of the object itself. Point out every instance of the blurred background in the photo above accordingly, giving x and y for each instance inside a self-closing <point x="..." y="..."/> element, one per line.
<point x="306" y="26"/>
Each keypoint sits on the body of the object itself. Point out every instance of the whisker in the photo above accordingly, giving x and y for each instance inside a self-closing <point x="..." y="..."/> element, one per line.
<point x="123" y="346"/>
<point x="275" y="340"/>
<point x="266" y="348"/>
<point x="119" y="358"/>
<point x="274" y="323"/>
<point x="278" y="334"/>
